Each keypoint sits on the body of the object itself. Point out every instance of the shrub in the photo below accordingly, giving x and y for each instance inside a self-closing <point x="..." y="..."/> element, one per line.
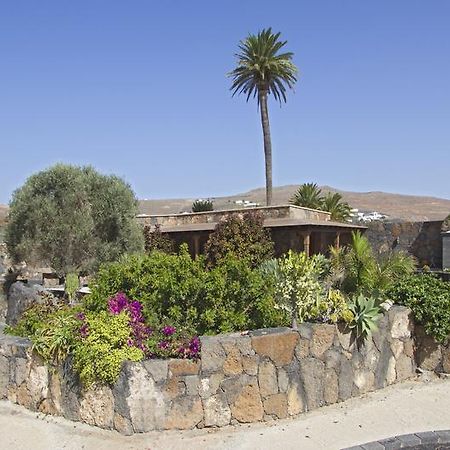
<point x="366" y="314"/>
<point x="179" y="290"/>
<point x="202" y="206"/>
<point x="429" y="299"/>
<point x="297" y="284"/>
<point x="244" y="237"/>
<point x="156" y="240"/>
<point x="72" y="218"/>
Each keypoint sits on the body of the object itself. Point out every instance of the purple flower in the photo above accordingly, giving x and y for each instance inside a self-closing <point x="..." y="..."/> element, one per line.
<point x="80" y="316"/>
<point x="163" y="345"/>
<point x="168" y="330"/>
<point x="84" y="330"/>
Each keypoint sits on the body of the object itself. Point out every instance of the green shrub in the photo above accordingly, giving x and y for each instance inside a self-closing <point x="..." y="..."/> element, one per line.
<point x="202" y="206"/>
<point x="429" y="299"/>
<point x="72" y="219"/>
<point x="243" y="237"/>
<point x="179" y="290"/>
<point x="156" y="240"/>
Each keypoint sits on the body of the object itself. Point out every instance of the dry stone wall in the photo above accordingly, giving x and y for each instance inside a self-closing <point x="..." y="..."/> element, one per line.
<point x="265" y="375"/>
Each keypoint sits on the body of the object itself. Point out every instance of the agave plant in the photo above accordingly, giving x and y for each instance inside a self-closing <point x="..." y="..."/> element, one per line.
<point x="366" y="315"/>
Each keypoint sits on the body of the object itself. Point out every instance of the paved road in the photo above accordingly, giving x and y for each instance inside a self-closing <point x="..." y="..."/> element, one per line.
<point x="400" y="409"/>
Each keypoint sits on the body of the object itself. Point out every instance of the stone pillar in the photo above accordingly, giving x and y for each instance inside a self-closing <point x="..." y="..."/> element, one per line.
<point x="196" y="244"/>
<point x="307" y="243"/>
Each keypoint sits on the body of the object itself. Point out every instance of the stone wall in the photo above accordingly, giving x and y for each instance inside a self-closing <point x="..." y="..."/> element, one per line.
<point x="265" y="375"/>
<point x="421" y="239"/>
<point x="268" y="212"/>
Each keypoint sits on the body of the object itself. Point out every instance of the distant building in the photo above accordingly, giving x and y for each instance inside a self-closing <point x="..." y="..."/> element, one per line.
<point x="291" y="227"/>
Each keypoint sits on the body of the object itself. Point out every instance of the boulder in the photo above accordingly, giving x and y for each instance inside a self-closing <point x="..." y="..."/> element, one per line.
<point x="20" y="297"/>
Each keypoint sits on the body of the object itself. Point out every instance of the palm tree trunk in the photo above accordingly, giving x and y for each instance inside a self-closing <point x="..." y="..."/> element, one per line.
<point x="267" y="143"/>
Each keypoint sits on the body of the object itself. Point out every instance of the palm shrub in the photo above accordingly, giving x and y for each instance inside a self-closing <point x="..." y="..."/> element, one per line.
<point x="202" y="206"/>
<point x="308" y="195"/>
<point x="334" y="204"/>
<point x="264" y="69"/>
<point x="243" y="236"/>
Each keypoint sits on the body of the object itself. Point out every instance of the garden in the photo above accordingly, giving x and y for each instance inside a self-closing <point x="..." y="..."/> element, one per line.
<point x="155" y="303"/>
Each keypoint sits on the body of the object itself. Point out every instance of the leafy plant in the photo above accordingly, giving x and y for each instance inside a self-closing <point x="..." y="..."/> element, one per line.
<point x="71" y="286"/>
<point x="72" y="219"/>
<point x="263" y="70"/>
<point x="429" y="299"/>
<point x="202" y="206"/>
<point x="155" y="239"/>
<point x="308" y="195"/>
<point x="297" y="286"/>
<point x="366" y="314"/>
<point x="243" y="236"/>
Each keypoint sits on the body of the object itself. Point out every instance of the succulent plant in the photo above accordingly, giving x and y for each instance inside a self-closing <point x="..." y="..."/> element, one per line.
<point x="366" y="315"/>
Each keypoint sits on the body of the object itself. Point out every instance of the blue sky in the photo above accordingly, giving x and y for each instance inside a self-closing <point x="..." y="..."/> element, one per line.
<point x="139" y="88"/>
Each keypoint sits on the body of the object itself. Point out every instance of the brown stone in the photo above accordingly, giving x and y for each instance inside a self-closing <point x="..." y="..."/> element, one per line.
<point x="183" y="367"/>
<point x="276" y="405"/>
<point x="446" y="359"/>
<point x="233" y="362"/>
<point x="175" y="387"/>
<point x="295" y="400"/>
<point x="428" y="353"/>
<point x="302" y="348"/>
<point x="331" y="387"/>
<point x="248" y="406"/>
<point x="209" y="385"/>
<point x="322" y="339"/>
<point x="97" y="407"/>
<point x="409" y="348"/>
<point x="364" y="380"/>
<point x="23" y="397"/>
<point x="186" y="413"/>
<point x="279" y="347"/>
<point x="217" y="411"/>
<point x="122" y="425"/>
<point x="404" y="368"/>
<point x="250" y="364"/>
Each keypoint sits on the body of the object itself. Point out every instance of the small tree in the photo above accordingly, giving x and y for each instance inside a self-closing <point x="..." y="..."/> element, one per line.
<point x="245" y="237"/>
<point x="156" y="240"/>
<point x="308" y="195"/>
<point x="72" y="218"/>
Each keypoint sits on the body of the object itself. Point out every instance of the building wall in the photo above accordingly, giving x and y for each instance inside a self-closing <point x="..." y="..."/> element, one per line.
<point x="446" y="250"/>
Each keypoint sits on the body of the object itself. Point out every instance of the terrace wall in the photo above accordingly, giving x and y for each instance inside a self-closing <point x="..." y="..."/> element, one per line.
<point x="264" y="375"/>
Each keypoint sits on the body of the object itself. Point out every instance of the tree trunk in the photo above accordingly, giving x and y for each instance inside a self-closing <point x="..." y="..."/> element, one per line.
<point x="267" y="143"/>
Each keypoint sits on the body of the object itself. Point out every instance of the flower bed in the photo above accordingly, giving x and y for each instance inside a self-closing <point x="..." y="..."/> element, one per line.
<point x="269" y="373"/>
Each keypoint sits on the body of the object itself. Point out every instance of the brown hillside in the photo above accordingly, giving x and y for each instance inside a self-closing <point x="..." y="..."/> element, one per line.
<point x="396" y="206"/>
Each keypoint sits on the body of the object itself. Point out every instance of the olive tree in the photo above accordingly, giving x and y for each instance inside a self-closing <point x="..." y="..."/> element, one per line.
<point x="72" y="219"/>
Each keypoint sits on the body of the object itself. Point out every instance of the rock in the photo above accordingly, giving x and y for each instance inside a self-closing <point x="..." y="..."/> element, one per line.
<point x="404" y="368"/>
<point x="302" y="348"/>
<point x="157" y="368"/>
<point x="97" y="407"/>
<point x="331" y="387"/>
<point x="4" y="376"/>
<point x="322" y="339"/>
<point x="146" y="403"/>
<point x="213" y="354"/>
<point x="345" y="380"/>
<point x="385" y="371"/>
<point x="216" y="410"/>
<point x="122" y="425"/>
<point x="183" y="367"/>
<point x="233" y="386"/>
<point x="364" y="381"/>
<point x="186" y="413"/>
<point x="250" y="364"/>
<point x="446" y="359"/>
<point x="397" y="347"/>
<point x="276" y="405"/>
<point x="248" y="406"/>
<point x="283" y="380"/>
<point x="37" y="384"/>
<point x="401" y="323"/>
<point x="277" y="345"/>
<point x="428" y="352"/>
<point x="192" y="384"/>
<point x="312" y="372"/>
<point x="233" y="362"/>
<point x="295" y="401"/>
<point x="267" y="379"/>
<point x="345" y="337"/>
<point x="20" y="297"/>
<point x="21" y="370"/>
<point x="175" y="387"/>
<point x="209" y="385"/>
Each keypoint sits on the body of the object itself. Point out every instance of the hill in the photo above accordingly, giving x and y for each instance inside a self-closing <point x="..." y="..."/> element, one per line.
<point x="396" y="206"/>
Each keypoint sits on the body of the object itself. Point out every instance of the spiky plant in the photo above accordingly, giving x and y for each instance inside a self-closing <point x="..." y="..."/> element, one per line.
<point x="262" y="69"/>
<point x="366" y="315"/>
<point x="308" y="195"/>
<point x="202" y="206"/>
<point x="71" y="286"/>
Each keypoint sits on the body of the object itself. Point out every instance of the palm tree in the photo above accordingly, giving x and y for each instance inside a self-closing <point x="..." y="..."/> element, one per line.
<point x="261" y="70"/>
<point x="334" y="204"/>
<point x="308" y="195"/>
